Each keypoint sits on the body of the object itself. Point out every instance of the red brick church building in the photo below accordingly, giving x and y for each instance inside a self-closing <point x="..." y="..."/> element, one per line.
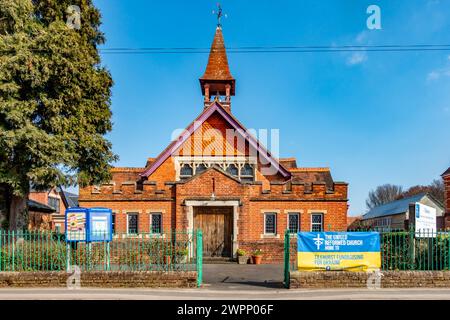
<point x="446" y="178"/>
<point x="218" y="177"/>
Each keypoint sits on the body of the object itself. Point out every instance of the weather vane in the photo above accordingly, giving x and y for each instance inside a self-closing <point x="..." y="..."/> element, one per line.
<point x="219" y="14"/>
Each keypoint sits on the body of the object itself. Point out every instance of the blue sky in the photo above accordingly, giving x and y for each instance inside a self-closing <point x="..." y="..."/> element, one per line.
<point x="373" y="118"/>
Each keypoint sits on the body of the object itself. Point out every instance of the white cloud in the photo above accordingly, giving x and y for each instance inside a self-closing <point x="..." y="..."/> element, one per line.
<point x="361" y="37"/>
<point x="433" y="75"/>
<point x="439" y="73"/>
<point x="357" y="58"/>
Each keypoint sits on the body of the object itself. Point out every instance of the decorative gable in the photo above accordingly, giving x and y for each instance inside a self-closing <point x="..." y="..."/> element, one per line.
<point x="218" y="122"/>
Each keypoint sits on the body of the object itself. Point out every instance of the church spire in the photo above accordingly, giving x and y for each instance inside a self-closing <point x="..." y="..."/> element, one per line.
<point x="217" y="79"/>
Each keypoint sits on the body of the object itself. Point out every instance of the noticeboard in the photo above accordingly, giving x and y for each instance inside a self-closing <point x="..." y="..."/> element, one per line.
<point x="100" y="224"/>
<point x="76" y="224"/>
<point x="328" y="251"/>
<point x="86" y="225"/>
<point x="425" y="221"/>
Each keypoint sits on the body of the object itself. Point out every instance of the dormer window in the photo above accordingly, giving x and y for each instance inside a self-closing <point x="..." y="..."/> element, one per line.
<point x="186" y="172"/>
<point x="233" y="170"/>
<point x="247" y="173"/>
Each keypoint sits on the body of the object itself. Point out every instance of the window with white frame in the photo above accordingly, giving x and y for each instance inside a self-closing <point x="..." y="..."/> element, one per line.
<point x="132" y="223"/>
<point x="317" y="222"/>
<point x="293" y="222"/>
<point x="156" y="222"/>
<point x="270" y="223"/>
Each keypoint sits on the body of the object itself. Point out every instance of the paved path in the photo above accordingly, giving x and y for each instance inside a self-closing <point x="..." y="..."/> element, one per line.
<point x="243" y="277"/>
<point x="207" y="294"/>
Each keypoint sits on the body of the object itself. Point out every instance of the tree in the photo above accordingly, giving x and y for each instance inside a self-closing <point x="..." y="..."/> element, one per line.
<point x="54" y="100"/>
<point x="383" y="194"/>
<point x="436" y="189"/>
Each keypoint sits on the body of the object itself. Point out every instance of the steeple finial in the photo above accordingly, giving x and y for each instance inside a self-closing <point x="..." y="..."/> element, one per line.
<point x="219" y="14"/>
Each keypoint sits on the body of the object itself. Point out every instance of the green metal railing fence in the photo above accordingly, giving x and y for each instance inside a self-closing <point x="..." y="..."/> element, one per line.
<point x="425" y="250"/>
<point x="48" y="251"/>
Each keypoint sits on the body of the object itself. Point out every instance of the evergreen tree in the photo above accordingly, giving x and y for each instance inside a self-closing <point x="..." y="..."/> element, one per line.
<point x="54" y="100"/>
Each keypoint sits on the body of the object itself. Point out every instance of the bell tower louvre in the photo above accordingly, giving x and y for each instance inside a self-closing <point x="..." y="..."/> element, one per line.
<point x="217" y="79"/>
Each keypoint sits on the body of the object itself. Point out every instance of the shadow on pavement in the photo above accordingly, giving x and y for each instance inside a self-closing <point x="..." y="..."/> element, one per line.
<point x="234" y="276"/>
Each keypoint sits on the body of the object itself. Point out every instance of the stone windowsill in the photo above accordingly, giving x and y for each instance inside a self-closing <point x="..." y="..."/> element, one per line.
<point x="270" y="236"/>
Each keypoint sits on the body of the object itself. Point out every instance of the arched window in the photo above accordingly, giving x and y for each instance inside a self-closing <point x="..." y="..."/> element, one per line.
<point x="247" y="173"/>
<point x="200" y="168"/>
<point x="233" y="170"/>
<point x="186" y="171"/>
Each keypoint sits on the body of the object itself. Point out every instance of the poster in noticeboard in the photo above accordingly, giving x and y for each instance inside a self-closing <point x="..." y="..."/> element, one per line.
<point x="76" y="225"/>
<point x="100" y="224"/>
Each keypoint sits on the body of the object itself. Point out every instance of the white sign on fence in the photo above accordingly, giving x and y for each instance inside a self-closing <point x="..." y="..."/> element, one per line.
<point x="425" y="221"/>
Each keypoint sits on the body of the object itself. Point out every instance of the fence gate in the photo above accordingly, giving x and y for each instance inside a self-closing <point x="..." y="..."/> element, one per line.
<point x="199" y="254"/>
<point x="287" y="259"/>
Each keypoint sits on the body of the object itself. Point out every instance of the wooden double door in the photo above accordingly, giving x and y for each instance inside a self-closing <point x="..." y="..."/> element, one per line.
<point x="216" y="224"/>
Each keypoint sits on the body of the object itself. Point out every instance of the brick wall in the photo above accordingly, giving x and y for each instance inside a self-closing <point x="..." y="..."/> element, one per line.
<point x="447" y="200"/>
<point x="251" y="213"/>
<point x="254" y="203"/>
<point x="389" y="279"/>
<point x="147" y="279"/>
<point x="273" y="250"/>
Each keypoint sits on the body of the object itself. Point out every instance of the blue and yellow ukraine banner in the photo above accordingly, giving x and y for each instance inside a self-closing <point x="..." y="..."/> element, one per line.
<point x="350" y="251"/>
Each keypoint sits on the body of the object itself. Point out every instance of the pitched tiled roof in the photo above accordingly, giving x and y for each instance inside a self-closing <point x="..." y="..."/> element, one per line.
<point x="39" y="207"/>
<point x="312" y="175"/>
<point x="394" y="207"/>
<point x="72" y="199"/>
<point x="446" y="172"/>
<point x="353" y="220"/>
<point x="288" y="163"/>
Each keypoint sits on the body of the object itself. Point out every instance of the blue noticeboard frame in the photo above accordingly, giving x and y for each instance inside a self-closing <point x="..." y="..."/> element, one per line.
<point x="99" y="218"/>
<point x="76" y="224"/>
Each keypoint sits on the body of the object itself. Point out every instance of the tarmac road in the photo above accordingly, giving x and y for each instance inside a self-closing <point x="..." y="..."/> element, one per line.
<point x="222" y="294"/>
